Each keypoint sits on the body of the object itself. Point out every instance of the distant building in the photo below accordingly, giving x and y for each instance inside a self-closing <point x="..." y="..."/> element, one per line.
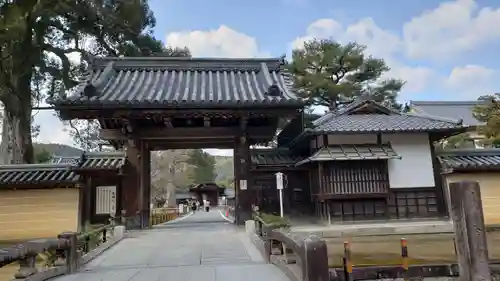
<point x="481" y="165"/>
<point x="361" y="162"/>
<point x="453" y="110"/>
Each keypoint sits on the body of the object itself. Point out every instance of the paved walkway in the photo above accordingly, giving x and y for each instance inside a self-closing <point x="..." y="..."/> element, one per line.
<point x="202" y="246"/>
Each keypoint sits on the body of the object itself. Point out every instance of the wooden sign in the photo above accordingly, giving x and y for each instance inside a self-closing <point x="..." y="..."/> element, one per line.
<point x="243" y="184"/>
<point x="279" y="181"/>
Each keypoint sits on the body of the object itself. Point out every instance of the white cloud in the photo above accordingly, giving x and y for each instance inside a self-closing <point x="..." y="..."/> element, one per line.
<point x="220" y="42"/>
<point x="322" y="28"/>
<point x="451" y="28"/>
<point x="472" y="81"/>
<point x="379" y="42"/>
<point x="52" y="129"/>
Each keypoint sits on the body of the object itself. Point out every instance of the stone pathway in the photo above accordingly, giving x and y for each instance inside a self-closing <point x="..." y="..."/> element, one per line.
<point x="202" y="246"/>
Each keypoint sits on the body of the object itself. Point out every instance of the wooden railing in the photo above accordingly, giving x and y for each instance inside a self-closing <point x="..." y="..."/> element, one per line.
<point x="52" y="257"/>
<point x="302" y="258"/>
<point x="162" y="215"/>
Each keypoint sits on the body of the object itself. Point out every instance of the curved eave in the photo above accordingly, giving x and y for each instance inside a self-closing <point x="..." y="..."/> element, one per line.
<point x="98" y="104"/>
<point x="443" y="133"/>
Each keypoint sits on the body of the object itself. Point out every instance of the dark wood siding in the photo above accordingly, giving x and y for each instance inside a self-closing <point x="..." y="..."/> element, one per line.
<point x="358" y="209"/>
<point x="410" y="203"/>
<point x="355" y="177"/>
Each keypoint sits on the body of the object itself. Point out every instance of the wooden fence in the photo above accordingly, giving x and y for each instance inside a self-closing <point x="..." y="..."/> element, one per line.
<point x="162" y="215"/>
<point x="305" y="257"/>
<point x="300" y="257"/>
<point x="47" y="258"/>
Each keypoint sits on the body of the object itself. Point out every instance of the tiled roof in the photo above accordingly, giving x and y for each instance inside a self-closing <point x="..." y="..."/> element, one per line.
<point x="102" y="160"/>
<point x="352" y="152"/>
<point x="274" y="157"/>
<point x="352" y="119"/>
<point x="183" y="196"/>
<point x="36" y="174"/>
<point x="153" y="82"/>
<point x="93" y="160"/>
<point x="448" y="109"/>
<point x="70" y="160"/>
<point x="470" y="159"/>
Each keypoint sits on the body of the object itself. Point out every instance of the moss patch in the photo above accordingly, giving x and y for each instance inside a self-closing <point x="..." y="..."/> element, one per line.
<point x="274" y="220"/>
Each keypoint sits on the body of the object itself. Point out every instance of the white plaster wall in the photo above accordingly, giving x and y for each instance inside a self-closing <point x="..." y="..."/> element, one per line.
<point x="414" y="169"/>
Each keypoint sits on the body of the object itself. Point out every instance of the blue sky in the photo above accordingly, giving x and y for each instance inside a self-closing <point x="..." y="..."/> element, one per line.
<point x="445" y="50"/>
<point x="273" y="25"/>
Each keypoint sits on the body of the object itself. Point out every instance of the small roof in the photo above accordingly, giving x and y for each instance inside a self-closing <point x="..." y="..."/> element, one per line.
<point x="274" y="157"/>
<point x="352" y="152"/>
<point x="103" y="160"/>
<point x="60" y="169"/>
<point x="38" y="174"/>
<point x="159" y="82"/>
<point x="183" y="196"/>
<point x="93" y="160"/>
<point x="205" y="186"/>
<point x="448" y="109"/>
<point x="470" y="159"/>
<point x="366" y="116"/>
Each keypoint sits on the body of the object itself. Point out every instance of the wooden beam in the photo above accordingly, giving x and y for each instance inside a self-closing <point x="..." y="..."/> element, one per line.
<point x="186" y="133"/>
<point x="87" y="113"/>
<point x="243" y="123"/>
<point x="168" y="123"/>
<point x="164" y="145"/>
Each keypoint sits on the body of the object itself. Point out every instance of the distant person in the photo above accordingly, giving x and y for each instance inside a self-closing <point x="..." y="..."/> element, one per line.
<point x="193" y="206"/>
<point x="197" y="204"/>
<point x="207" y="205"/>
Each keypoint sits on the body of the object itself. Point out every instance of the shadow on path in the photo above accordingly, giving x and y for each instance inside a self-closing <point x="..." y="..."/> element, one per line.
<point x="202" y="246"/>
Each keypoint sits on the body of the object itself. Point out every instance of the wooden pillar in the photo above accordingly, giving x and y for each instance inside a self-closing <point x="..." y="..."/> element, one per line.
<point x="130" y="185"/>
<point x="119" y="195"/>
<point x="145" y="184"/>
<point x="88" y="200"/>
<point x="81" y="205"/>
<point x="241" y="173"/>
<point x="468" y="221"/>
<point x="439" y="184"/>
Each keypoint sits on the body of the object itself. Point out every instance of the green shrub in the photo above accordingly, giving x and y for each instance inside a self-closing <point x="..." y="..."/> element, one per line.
<point x="274" y="220"/>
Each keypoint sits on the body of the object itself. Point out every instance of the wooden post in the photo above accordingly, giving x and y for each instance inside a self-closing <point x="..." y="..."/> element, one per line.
<point x="130" y="185"/>
<point x="468" y="221"/>
<point x="242" y="169"/>
<point x="315" y="260"/>
<point x="144" y="185"/>
<point x="88" y="201"/>
<point x="404" y="257"/>
<point x="81" y="206"/>
<point x="71" y="252"/>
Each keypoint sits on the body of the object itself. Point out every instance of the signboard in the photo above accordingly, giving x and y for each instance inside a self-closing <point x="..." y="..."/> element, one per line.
<point x="279" y="181"/>
<point x="243" y="184"/>
<point x="105" y="200"/>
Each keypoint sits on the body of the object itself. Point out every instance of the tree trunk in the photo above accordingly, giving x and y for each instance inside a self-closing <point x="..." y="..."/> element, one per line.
<point x="171" y="202"/>
<point x="17" y="146"/>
